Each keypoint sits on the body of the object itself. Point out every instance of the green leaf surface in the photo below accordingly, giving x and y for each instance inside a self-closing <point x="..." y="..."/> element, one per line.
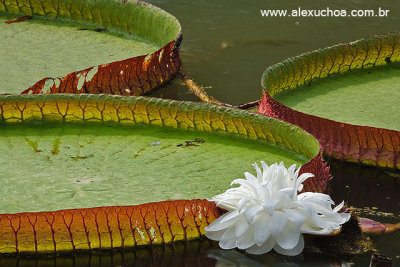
<point x="41" y="48"/>
<point x="355" y="85"/>
<point x="66" y="36"/>
<point x="108" y="159"/>
<point x="76" y="165"/>
<point x="362" y="97"/>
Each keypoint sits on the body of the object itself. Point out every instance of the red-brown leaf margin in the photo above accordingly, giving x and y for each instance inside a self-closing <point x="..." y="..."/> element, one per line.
<point x="134" y="76"/>
<point x="100" y="228"/>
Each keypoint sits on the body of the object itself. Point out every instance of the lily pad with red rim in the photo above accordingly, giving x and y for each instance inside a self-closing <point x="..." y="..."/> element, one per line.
<point x="133" y="47"/>
<point x="345" y="96"/>
<point x="84" y="151"/>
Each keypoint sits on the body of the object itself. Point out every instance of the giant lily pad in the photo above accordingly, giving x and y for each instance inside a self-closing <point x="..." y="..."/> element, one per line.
<point x="65" y="36"/>
<point x="367" y="97"/>
<point x="354" y="88"/>
<point x="83" y="151"/>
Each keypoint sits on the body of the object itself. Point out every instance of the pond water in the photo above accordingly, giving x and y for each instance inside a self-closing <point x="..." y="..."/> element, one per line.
<point x="226" y="47"/>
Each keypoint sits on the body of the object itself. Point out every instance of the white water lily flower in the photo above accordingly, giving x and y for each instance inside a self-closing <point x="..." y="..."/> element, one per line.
<point x="266" y="212"/>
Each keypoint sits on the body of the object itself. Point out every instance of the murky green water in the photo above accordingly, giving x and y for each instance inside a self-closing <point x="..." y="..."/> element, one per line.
<point x="226" y="46"/>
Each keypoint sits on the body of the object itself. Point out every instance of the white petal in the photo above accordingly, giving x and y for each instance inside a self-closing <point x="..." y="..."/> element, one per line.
<point x="317" y="198"/>
<point x="310" y="229"/>
<point x="246" y="240"/>
<point x="264" y="248"/>
<point x="317" y="226"/>
<point x="305" y="207"/>
<point x="228" y="216"/>
<point x="243" y="202"/>
<point x="330" y="216"/>
<point x="227" y="206"/>
<point x="277" y="223"/>
<point x="297" y="172"/>
<point x="222" y="222"/>
<point x="345" y="217"/>
<point x="300" y="188"/>
<point x="261" y="229"/>
<point x="319" y="215"/>
<point x="339" y="207"/>
<point x="246" y="185"/>
<point x="228" y="240"/>
<point x="264" y="166"/>
<point x="283" y="197"/>
<point x="317" y="223"/>
<point x="292" y="168"/>
<point x="291" y="252"/>
<point x="295" y="216"/>
<point x="215" y="235"/>
<point x="270" y="206"/>
<point x="303" y="177"/>
<point x="241" y="227"/>
<point x="258" y="170"/>
<point x="288" y="191"/>
<point x="251" y="212"/>
<point x="267" y="171"/>
<point x="289" y="237"/>
<point x="250" y="176"/>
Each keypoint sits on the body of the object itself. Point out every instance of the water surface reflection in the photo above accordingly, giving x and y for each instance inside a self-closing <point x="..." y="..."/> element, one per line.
<point x="194" y="253"/>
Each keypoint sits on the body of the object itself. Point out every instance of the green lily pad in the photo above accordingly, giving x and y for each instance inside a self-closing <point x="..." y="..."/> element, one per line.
<point x="41" y="48"/>
<point x="90" y="150"/>
<point x="70" y="35"/>
<point x="338" y="93"/>
<point x="368" y="97"/>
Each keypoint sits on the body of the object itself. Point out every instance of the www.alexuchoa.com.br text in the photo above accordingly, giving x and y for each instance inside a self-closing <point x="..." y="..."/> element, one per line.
<point x="327" y="12"/>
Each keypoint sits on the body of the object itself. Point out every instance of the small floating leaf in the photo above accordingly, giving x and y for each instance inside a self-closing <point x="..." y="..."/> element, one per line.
<point x="20" y="19"/>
